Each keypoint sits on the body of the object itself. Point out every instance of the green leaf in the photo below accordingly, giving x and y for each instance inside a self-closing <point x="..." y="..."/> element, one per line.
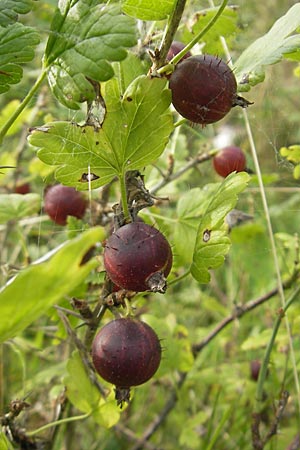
<point x="212" y="242"/>
<point x="4" y="443"/>
<point x="28" y="295"/>
<point x="190" y="208"/>
<point x="226" y="26"/>
<point x="268" y="49"/>
<point x="85" y="38"/>
<point x="86" y="397"/>
<point x="148" y="9"/>
<point x="6" y="113"/>
<point x="9" y="10"/>
<point x="135" y="132"/>
<point x="17" y="206"/>
<point x="16" y="42"/>
<point x="292" y="154"/>
<point x="177" y="352"/>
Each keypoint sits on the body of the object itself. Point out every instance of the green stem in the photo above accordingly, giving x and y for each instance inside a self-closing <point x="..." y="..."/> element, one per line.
<point x="124" y="197"/>
<point x="22" y="105"/>
<point x="264" y="367"/>
<point x="178" y="279"/>
<point x="197" y="38"/>
<point x="171" y="30"/>
<point x="58" y="422"/>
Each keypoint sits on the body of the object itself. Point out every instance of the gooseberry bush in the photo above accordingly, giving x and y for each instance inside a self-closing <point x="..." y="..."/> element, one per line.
<point x="149" y="292"/>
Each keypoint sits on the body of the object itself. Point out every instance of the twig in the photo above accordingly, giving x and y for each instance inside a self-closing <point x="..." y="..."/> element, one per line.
<point x="155" y="424"/>
<point x="295" y="445"/>
<point x="174" y="20"/>
<point x="173" y="176"/>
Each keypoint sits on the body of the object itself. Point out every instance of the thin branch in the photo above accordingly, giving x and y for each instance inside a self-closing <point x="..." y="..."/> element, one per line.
<point x="173" y="176"/>
<point x="169" y="36"/>
<point x="295" y="445"/>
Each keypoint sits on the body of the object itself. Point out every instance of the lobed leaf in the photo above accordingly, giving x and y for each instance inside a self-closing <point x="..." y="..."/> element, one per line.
<point x="9" y="10"/>
<point x="148" y="9"/>
<point x="134" y="133"/>
<point x="86" y="397"/>
<point x="29" y="295"/>
<point x="17" y="206"/>
<point x="85" y="38"/>
<point x="278" y="42"/>
<point x="212" y="242"/>
<point x="16" y="47"/>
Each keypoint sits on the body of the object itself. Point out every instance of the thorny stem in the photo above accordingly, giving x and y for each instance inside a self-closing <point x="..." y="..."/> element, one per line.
<point x="22" y="105"/>
<point x="197" y="38"/>
<point x="265" y="363"/>
<point x="173" y="176"/>
<point x="170" y="32"/>
<point x="124" y="201"/>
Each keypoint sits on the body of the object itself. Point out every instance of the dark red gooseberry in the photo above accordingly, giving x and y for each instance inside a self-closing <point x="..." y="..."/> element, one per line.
<point x="23" y="188"/>
<point x="126" y="352"/>
<point x="204" y="89"/>
<point x="255" y="366"/>
<point x="229" y="159"/>
<point x="63" y="201"/>
<point x="175" y="48"/>
<point x="138" y="257"/>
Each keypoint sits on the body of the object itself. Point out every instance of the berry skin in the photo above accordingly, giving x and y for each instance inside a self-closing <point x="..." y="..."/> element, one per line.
<point x="229" y="159"/>
<point x="63" y="201"/>
<point x="137" y="257"/>
<point x="204" y="89"/>
<point x="23" y="188"/>
<point x="126" y="352"/>
<point x="175" y="48"/>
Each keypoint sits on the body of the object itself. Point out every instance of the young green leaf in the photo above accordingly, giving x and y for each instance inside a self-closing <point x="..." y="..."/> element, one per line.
<point x="17" y="206"/>
<point x="190" y="208"/>
<point x="134" y="133"/>
<point x="86" y="397"/>
<point x="269" y="49"/>
<point x="226" y="26"/>
<point x="148" y="9"/>
<point x="16" y="47"/>
<point x="9" y="10"/>
<point x="212" y="242"/>
<point x="85" y="38"/>
<point x="28" y="295"/>
<point x="292" y="154"/>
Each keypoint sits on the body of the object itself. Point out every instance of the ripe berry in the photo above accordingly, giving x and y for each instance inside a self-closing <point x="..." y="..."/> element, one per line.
<point x="228" y="160"/>
<point x="175" y="48"/>
<point x="138" y="257"/>
<point x="63" y="201"/>
<point x="23" y="188"/>
<point x="255" y="366"/>
<point x="126" y="352"/>
<point x="204" y="89"/>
